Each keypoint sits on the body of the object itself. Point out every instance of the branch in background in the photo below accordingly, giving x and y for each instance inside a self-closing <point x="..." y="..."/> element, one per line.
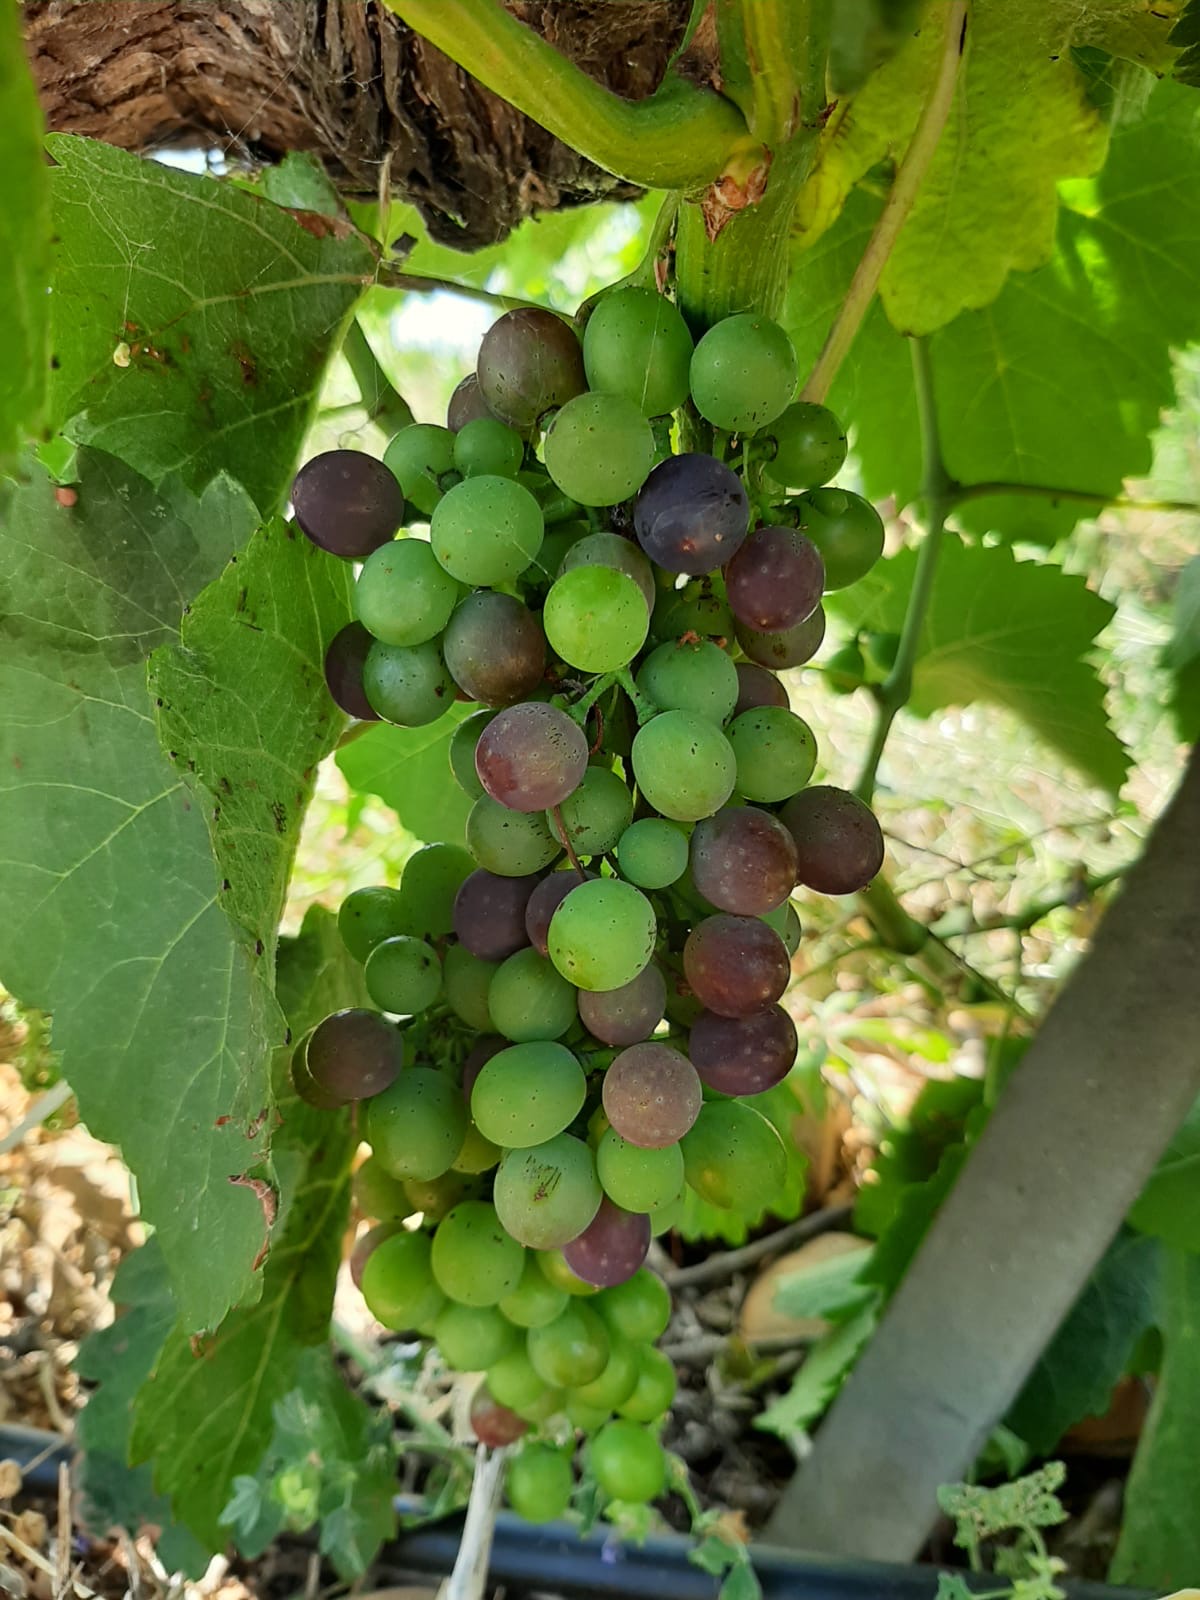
<point x="724" y="1264"/>
<point x="963" y="492"/>
<point x="383" y="405"/>
<point x="679" y="137"/>
<point x="896" y="209"/>
<point x="1079" y="892"/>
<point x="393" y="277"/>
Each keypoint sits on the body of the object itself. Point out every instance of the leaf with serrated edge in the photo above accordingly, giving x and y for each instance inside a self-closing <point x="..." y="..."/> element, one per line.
<point x="409" y="769"/>
<point x="1009" y="632"/>
<point x="824" y="1371"/>
<point x="24" y="242"/>
<point x="191" y="321"/>
<point x="206" y="1416"/>
<point x="1062" y="379"/>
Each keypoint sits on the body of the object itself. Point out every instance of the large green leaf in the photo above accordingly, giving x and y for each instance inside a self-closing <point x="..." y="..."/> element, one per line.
<point x="1169" y="1206"/>
<point x="206" y="1416"/>
<point x="24" y="242"/>
<point x="190" y="321"/>
<point x="1013" y="633"/>
<point x="1160" y="1533"/>
<point x="1062" y="379"/>
<point x="409" y="769"/>
<point x="1075" y="1374"/>
<point x="112" y="918"/>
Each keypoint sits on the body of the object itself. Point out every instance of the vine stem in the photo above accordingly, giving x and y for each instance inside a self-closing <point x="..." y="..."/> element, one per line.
<point x="963" y="492"/>
<point x="468" y="1581"/>
<point x="384" y="404"/>
<point x="390" y="276"/>
<point x="896" y="209"/>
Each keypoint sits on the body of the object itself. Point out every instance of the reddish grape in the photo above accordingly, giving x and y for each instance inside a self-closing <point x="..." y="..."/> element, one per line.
<point x="344" y="661"/>
<point x="347" y="503"/>
<point x="775" y="580"/>
<point x="493" y="1424"/>
<point x="651" y="1095"/>
<point x="790" y="648"/>
<point x="354" y="1054"/>
<point x="466" y="404"/>
<point x="531" y="757"/>
<point x="529" y="361"/>
<point x="545" y="901"/>
<point x="692" y="514"/>
<point x="743" y="1055"/>
<point x="735" y="965"/>
<point x="494" y="648"/>
<point x="743" y="860"/>
<point x="489" y="914"/>
<point x="839" y="843"/>
<point x="611" y="1248"/>
<point x="757" y="686"/>
<point x="477" y="1057"/>
<point x="629" y="1014"/>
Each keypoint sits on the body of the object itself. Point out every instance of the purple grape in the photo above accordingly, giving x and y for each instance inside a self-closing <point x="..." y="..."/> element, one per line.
<point x="545" y="901"/>
<point x="353" y="1055"/>
<point x="529" y="362"/>
<point x="611" y="1248"/>
<point x="775" y="580"/>
<point x="757" y="686"/>
<point x="531" y="757"/>
<point x="466" y="404"/>
<point x="489" y="914"/>
<point x="839" y="844"/>
<point x="651" y="1095"/>
<point x="493" y="1424"/>
<point x="494" y="649"/>
<point x="790" y="648"/>
<point x="344" y="661"/>
<point x="629" y="1014"/>
<point x="691" y="514"/>
<point x="347" y="503"/>
<point x="743" y="1055"/>
<point x="735" y="965"/>
<point x="743" y="860"/>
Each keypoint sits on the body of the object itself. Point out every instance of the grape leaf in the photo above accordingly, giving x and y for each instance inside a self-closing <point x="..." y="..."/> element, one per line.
<point x="161" y="1013"/>
<point x="1185" y="633"/>
<point x="409" y="769"/>
<point x="1169" y="1205"/>
<point x="825" y="1369"/>
<point x="206" y="1416"/>
<point x="910" y="1152"/>
<point x="190" y="320"/>
<point x="1062" y="379"/>
<point x="24" y="242"/>
<point x="1159" y="1548"/>
<point x="1022" y="119"/>
<point x="1010" y="632"/>
<point x="1075" y="1374"/>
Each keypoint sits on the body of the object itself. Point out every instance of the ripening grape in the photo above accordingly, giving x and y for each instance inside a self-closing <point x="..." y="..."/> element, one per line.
<point x="510" y="843"/>
<point x="742" y="1055"/>
<point x="775" y="580"/>
<point x="398" y="1283"/>
<point x="743" y="860"/>
<point x="684" y="765"/>
<point x="846" y="529"/>
<point x="416" y="1127"/>
<point x="353" y="1055"/>
<point x="486" y="530"/>
<point x="403" y="596"/>
<point x="595" y="815"/>
<point x="492" y="1424"/>
<point x="531" y="757"/>
<point x="408" y="685"/>
<point x="486" y="446"/>
<point x="466" y="979"/>
<point x="539" y="1483"/>
<point x="305" y="1085"/>
<point x="690" y="675"/>
<point x="529" y="1001"/>
<point x="790" y="648"/>
<point x="628" y="1014"/>
<point x="347" y="503"/>
<point x="474" y="1260"/>
<point x="636" y="1178"/>
<point x="403" y="975"/>
<point x="529" y="361"/>
<point x="599" y="449"/>
<point x="545" y="900"/>
<point x="651" y="1095"/>
<point x="735" y="965"/>
<point x="734" y="1157"/>
<point x="527" y="1094"/>
<point x="489" y="913"/>
<point x="418" y="456"/>
<point x="494" y="649"/>
<point x="757" y="687"/>
<point x="553" y="1263"/>
<point x="611" y="1248"/>
<point x="637" y="344"/>
<point x="571" y="1350"/>
<point x="595" y="618"/>
<point x="775" y="753"/>
<point x="805" y="446"/>
<point x="610" y="550"/>
<point x="465" y="404"/>
<point x="692" y="514"/>
<point x="627" y="1461"/>
<point x="344" y="663"/>
<point x="602" y="934"/>
<point x="743" y="372"/>
<point x="547" y="1195"/>
<point x="839" y="843"/>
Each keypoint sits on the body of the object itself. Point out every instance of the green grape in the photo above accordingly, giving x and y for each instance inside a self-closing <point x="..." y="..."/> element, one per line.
<point x="583" y="1417"/>
<point x="637" y="344"/>
<point x="599" y="449"/>
<point x="807" y="446"/>
<point x="407" y="685"/>
<point x="398" y="1283"/>
<point x="416" y="1126"/>
<point x="733" y="1157"/>
<point x="845" y="669"/>
<point x="556" y="506"/>
<point x="478" y="1153"/>
<point x="610" y="550"/>
<point x="596" y="815"/>
<point x="462" y="752"/>
<point x="627" y="1461"/>
<point x="637" y="1179"/>
<point x="474" y="1260"/>
<point x="668" y="1217"/>
<point x="486" y="446"/>
<point x="786" y="924"/>
<point x="473" y="1338"/>
<point x="486" y="530"/>
<point x="595" y="618"/>
<point x="369" y="916"/>
<point x="418" y="456"/>
<point x="428" y="886"/>
<point x="699" y="608"/>
<point x="775" y="752"/>
<point x="571" y="1350"/>
<point x="403" y="975"/>
<point x="527" y="1094"/>
<point x="560" y="540"/>
<point x="514" y="1382"/>
<point x="556" y="1271"/>
<point x="535" y="1301"/>
<point x="617" y="1381"/>
<point x="529" y="1000"/>
<point x="638" y="1309"/>
<point x="652" y="853"/>
<point x="539" y="1483"/>
<point x="653" y="1390"/>
<point x="467" y="981"/>
<point x="846" y="529"/>
<point x="743" y="372"/>
<point x="433" y="1197"/>
<point x="378" y="1195"/>
<point x="684" y="765"/>
<point x="695" y="676"/>
<point x="509" y="843"/>
<point x="546" y="1196"/>
<point x="402" y="595"/>
<point x="602" y="934"/>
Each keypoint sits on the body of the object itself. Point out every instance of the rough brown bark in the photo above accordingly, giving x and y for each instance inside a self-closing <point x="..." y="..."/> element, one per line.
<point x="346" y="81"/>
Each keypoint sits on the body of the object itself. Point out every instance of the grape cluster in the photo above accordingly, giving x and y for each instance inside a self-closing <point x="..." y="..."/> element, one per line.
<point x="611" y="549"/>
